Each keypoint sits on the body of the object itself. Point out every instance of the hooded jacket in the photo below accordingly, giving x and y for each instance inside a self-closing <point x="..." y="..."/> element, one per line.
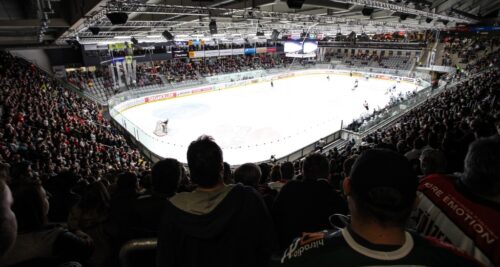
<point x="228" y="227"/>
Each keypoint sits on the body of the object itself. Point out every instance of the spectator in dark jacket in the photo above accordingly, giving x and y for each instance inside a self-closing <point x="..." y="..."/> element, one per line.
<point x="216" y="224"/>
<point x="305" y="206"/>
<point x="148" y="209"/>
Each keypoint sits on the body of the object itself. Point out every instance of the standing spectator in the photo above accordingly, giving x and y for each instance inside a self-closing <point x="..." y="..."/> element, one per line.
<point x="380" y="192"/>
<point x="432" y="161"/>
<point x="465" y="211"/>
<point x="305" y="206"/>
<point x="248" y="174"/>
<point x="216" y="224"/>
<point x="277" y="181"/>
<point x="90" y="216"/>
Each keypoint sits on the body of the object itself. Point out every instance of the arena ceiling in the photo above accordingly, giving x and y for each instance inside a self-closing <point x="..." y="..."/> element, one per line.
<point x="47" y="22"/>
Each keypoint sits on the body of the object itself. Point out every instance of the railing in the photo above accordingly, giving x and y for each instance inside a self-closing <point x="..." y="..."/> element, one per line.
<point x="393" y="114"/>
<point x="148" y="138"/>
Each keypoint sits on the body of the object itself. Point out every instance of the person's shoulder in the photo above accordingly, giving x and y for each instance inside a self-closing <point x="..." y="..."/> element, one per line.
<point x="311" y="246"/>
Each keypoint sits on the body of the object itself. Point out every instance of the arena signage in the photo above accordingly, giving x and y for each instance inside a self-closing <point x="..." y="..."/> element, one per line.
<point x="261" y="50"/>
<point x="212" y="53"/>
<point x="249" y="51"/>
<point x="239" y="51"/>
<point x="159" y="97"/>
<point x="225" y="52"/>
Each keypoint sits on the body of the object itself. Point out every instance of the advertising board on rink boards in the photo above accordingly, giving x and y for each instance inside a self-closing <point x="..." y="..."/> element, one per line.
<point x="196" y="90"/>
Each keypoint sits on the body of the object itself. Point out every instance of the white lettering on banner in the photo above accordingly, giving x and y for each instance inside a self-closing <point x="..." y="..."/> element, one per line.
<point x="159" y="97"/>
<point x="464" y="214"/>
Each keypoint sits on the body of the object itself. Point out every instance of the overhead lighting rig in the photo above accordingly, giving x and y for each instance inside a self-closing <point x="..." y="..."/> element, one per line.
<point x="404" y="9"/>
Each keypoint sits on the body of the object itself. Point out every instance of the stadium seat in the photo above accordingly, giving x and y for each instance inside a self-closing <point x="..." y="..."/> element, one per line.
<point x="138" y="253"/>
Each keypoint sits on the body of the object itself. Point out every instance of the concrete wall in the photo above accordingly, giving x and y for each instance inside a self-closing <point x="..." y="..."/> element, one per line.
<point x="37" y="56"/>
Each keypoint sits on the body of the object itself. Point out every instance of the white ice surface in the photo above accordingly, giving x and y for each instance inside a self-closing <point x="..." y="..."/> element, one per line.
<point x="253" y="122"/>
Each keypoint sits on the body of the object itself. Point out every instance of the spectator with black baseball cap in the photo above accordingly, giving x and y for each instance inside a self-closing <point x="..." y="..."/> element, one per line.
<point x="381" y="191"/>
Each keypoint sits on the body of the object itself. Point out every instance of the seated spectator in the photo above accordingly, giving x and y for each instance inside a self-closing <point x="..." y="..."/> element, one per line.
<point x="89" y="216"/>
<point x="8" y="223"/>
<point x="465" y="210"/>
<point x="216" y="224"/>
<point x="120" y="225"/>
<point x="228" y="174"/>
<point x="148" y="209"/>
<point x="248" y="174"/>
<point x="37" y="240"/>
<point x="306" y="205"/>
<point x="381" y="191"/>
<point x="432" y="161"/>
<point x="277" y="181"/>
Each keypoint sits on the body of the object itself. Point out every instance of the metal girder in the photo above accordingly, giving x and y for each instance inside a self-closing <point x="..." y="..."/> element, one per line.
<point x="32" y="23"/>
<point x="446" y="5"/>
<point x="404" y="9"/>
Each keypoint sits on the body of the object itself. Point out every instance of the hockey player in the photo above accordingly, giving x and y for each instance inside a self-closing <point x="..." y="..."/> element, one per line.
<point x="366" y="105"/>
<point x="328" y="77"/>
<point x="272" y="84"/>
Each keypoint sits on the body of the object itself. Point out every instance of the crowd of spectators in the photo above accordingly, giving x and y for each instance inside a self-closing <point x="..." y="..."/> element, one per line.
<point x="467" y="49"/>
<point x="65" y="164"/>
<point x="178" y="70"/>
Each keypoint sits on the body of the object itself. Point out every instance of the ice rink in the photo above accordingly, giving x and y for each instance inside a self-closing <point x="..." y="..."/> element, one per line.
<point x="253" y="122"/>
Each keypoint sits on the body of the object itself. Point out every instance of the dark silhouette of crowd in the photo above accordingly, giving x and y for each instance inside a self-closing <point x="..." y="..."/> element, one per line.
<point x="80" y="191"/>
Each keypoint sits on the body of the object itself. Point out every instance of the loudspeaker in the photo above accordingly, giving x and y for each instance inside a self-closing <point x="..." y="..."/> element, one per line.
<point x="295" y="4"/>
<point x="94" y="30"/>
<point x="274" y="35"/>
<point x="403" y="16"/>
<point x="134" y="41"/>
<point x="259" y="34"/>
<point x="428" y="20"/>
<point x="168" y="35"/>
<point x="213" y="27"/>
<point x="117" y="17"/>
<point x="367" y="11"/>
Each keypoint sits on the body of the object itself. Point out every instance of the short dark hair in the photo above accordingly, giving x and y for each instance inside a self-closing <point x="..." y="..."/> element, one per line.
<point x="347" y="165"/>
<point x="315" y="166"/>
<point x="248" y="174"/>
<point x="481" y="168"/>
<point x="205" y="161"/>
<point x="287" y="170"/>
<point x="126" y="183"/>
<point x="383" y="186"/>
<point x="266" y="170"/>
<point x="165" y="176"/>
<point x="432" y="161"/>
